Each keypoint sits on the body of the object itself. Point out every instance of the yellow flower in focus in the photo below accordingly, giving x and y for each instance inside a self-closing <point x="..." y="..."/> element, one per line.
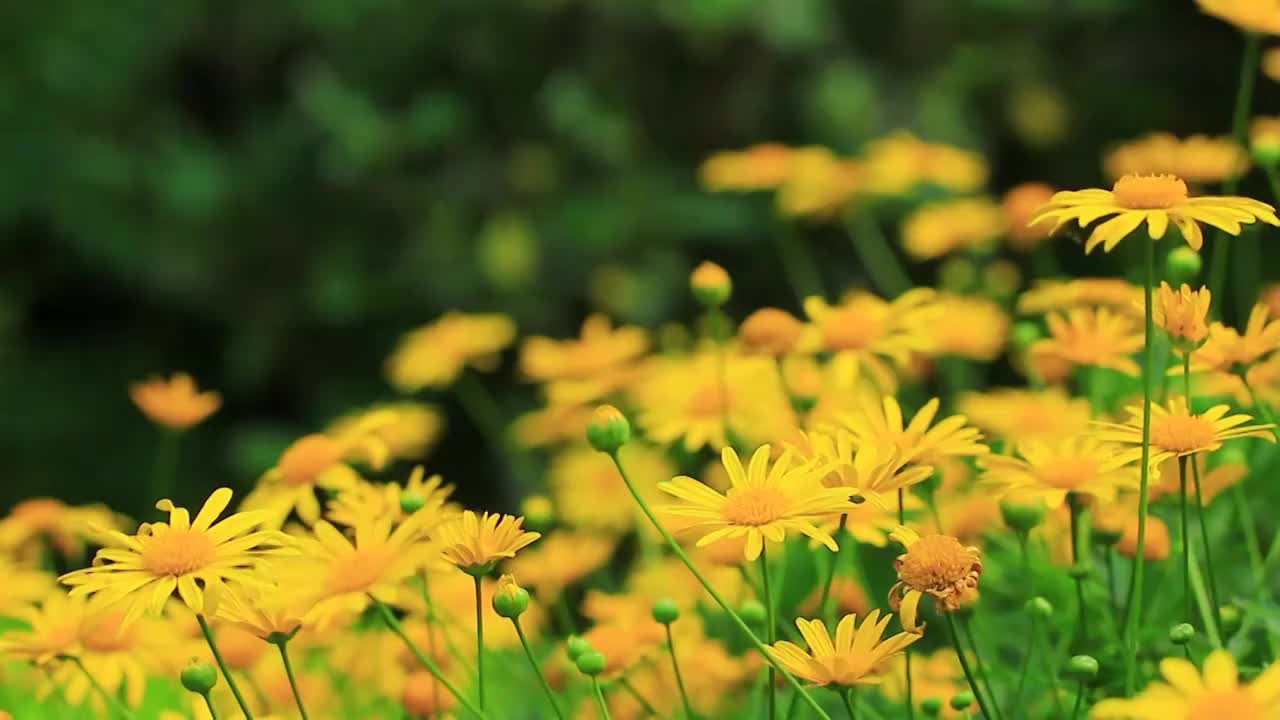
<point x="1018" y="205"/>
<point x="763" y="502"/>
<point x="897" y="163"/>
<point x="1183" y="314"/>
<point x="408" y="429"/>
<point x="561" y="559"/>
<point x="864" y="331"/>
<point x="1048" y="471"/>
<point x="583" y="369"/>
<point x="1257" y="16"/>
<point x="433" y="355"/>
<point x="770" y="331"/>
<point x="196" y="557"/>
<point x="818" y="183"/>
<point x="1017" y="415"/>
<point x="1178" y="432"/>
<point x="1156" y="200"/>
<point x="942" y="228"/>
<point x="175" y="403"/>
<point x="759" y="167"/>
<point x="1062" y="295"/>
<point x="1096" y="338"/>
<point x="475" y="543"/>
<point x="879" y="422"/>
<point x="1198" y="159"/>
<point x="581" y="472"/>
<point x="1186" y="694"/>
<point x="870" y="471"/>
<point x="969" y="326"/>
<point x="857" y="657"/>
<point x="934" y="565"/>
<point x="261" y="616"/>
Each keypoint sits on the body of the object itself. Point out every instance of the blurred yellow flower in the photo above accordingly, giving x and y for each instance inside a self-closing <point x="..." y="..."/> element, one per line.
<point x="1270" y="63"/>
<point x="433" y="355"/>
<point x="941" y="228"/>
<point x="818" y="183"/>
<point x="969" y="326"/>
<point x="1017" y="415"/>
<point x="857" y="657"/>
<point x="1048" y="471"/>
<point x="581" y="472"/>
<point x="1018" y="205"/>
<point x="408" y="429"/>
<point x="770" y="331"/>
<point x="552" y="424"/>
<point x="1264" y="131"/>
<point x="898" y="162"/>
<point x="1186" y="694"/>
<point x="35" y="521"/>
<point x="759" y="167"/>
<point x="936" y="565"/>
<point x="174" y="403"/>
<point x="1049" y="295"/>
<point x="1212" y="481"/>
<point x="936" y="675"/>
<point x="559" y="560"/>
<point x="1256" y="16"/>
<point x="588" y="367"/>
<point x="1198" y="159"/>
<point x="474" y="543"/>
<point x="1178" y="432"/>
<point x="1226" y="349"/>
<point x="864" y="331"/>
<point x="1156" y="200"/>
<point x="1183" y="314"/>
<point x="1094" y="338"/>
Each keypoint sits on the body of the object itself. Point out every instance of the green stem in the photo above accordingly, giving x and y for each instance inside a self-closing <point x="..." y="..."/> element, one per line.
<point x="222" y="665"/>
<point x="797" y="264"/>
<point x="1026" y="665"/>
<point x="715" y="595"/>
<point x="675" y="668"/>
<point x="645" y="705"/>
<point x="1076" y="507"/>
<point x="533" y="661"/>
<point x="394" y="625"/>
<point x="1132" y="622"/>
<point x="906" y="653"/>
<point x="112" y="701"/>
<point x="600" y="706"/>
<point x="850" y="699"/>
<point x="479" y="643"/>
<point x="1075" y="711"/>
<point x="964" y="665"/>
<point x="293" y="682"/>
<point x="878" y="259"/>
<point x="1051" y="669"/>
<point x="824" y="606"/>
<point x="771" y="631"/>
<point x="1186" y="539"/>
<point x="966" y="626"/>
<point x="1202" y="602"/>
<point x="208" y="702"/>
<point x="166" y="464"/>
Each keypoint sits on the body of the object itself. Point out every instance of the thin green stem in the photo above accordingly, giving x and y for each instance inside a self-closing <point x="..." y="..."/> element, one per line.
<point x="878" y="259"/>
<point x="222" y="665"/>
<point x="166" y="467"/>
<point x="601" y="707"/>
<point x="966" y="626"/>
<point x="906" y="653"/>
<point x="1076" y="506"/>
<point x="208" y="702"/>
<point x="1075" y="711"/>
<point x="1026" y="666"/>
<point x="1132" y="622"/>
<point x="537" y="670"/>
<point x="850" y="699"/>
<point x="798" y="266"/>
<point x="824" y="605"/>
<point x="1051" y="668"/>
<point x="479" y="643"/>
<point x="112" y="701"/>
<point x="394" y="625"/>
<point x="675" y="668"/>
<point x="715" y="594"/>
<point x="964" y="665"/>
<point x="293" y="682"/>
<point x="1186" y="539"/>
<point x="645" y="705"/>
<point x="771" y="632"/>
<point x="1202" y="602"/>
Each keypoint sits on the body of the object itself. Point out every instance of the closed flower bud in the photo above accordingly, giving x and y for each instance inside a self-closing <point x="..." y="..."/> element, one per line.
<point x="770" y="331"/>
<point x="608" y="429"/>
<point x="710" y="284"/>
<point x="1231" y="619"/>
<point x="199" y="677"/>
<point x="538" y="511"/>
<point x="411" y="502"/>
<point x="1082" y="668"/>
<point x="752" y="612"/>
<point x="1022" y="515"/>
<point x="1025" y="333"/>
<point x="509" y="599"/>
<point x="591" y="662"/>
<point x="1182" y="265"/>
<point x="931" y="707"/>
<point x="575" y="646"/>
<point x="666" y="611"/>
<point x="1039" y="607"/>
<point x="1181" y="634"/>
<point x="961" y="701"/>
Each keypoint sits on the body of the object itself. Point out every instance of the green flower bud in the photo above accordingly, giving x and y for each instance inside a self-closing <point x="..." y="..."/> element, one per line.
<point x="1022" y="516"/>
<point x="710" y="284"/>
<point x="1082" y="668"/>
<point x="591" y="663"/>
<point x="1079" y="571"/>
<point x="931" y="707"/>
<point x="753" y="613"/>
<point x="411" y="502"/>
<point x="961" y="701"/>
<point x="1181" y="634"/>
<point x="666" y="611"/>
<point x="608" y="429"/>
<point x="1039" y="607"/>
<point x="1026" y="332"/>
<point x="575" y="646"/>
<point x="509" y="599"/>
<point x="958" y="274"/>
<point x="199" y="677"/>
<point x="1231" y="619"/>
<point x="1182" y="265"/>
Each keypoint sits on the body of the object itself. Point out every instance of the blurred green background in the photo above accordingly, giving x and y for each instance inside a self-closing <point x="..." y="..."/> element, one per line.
<point x="267" y="193"/>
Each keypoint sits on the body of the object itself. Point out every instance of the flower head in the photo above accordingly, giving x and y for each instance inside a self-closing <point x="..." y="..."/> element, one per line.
<point x="1156" y="200"/>
<point x="897" y="163"/>
<point x="476" y="542"/>
<point x="969" y="326"/>
<point x="948" y="226"/>
<point x="858" y="656"/>
<point x="433" y="355"/>
<point x="872" y="470"/>
<point x="1187" y="694"/>
<point x="864" y="331"/>
<point x="599" y="361"/>
<point x="934" y="565"/>
<point x="1018" y="415"/>
<point x="1178" y="432"/>
<point x="1063" y="295"/>
<point x="1258" y="16"/>
<point x="1198" y="159"/>
<point x="1099" y="337"/>
<point x="770" y="331"/>
<point x="879" y="422"/>
<point x="559" y="560"/>
<point x="818" y="183"/>
<point x="1018" y="205"/>
<point x="759" y="167"/>
<point x="407" y="429"/>
<point x="1047" y="471"/>
<point x="1183" y="314"/>
<point x="1228" y="349"/>
<point x="174" y="403"/>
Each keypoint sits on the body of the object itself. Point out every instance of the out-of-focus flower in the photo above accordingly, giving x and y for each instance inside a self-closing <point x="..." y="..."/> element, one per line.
<point x="759" y="167"/>
<point x="419" y="495"/>
<point x="969" y="326"/>
<point x="66" y="527"/>
<point x="1156" y="200"/>
<point x="1018" y="415"/>
<point x="1258" y="16"/>
<point x="581" y="472"/>
<point x="864" y="331"/>
<point x="1226" y="349"/>
<point x="552" y="424"/>
<point x="1270" y="62"/>
<point x="1018" y="205"/>
<point x="934" y="565"/>
<point x="559" y="560"/>
<point x="1183" y="314"/>
<point x="433" y="355"/>
<point x="1186" y="694"/>
<point x="818" y="183"/>
<point x="1199" y="159"/>
<point x="1092" y="338"/>
<point x="770" y="331"/>
<point x="584" y="369"/>
<point x="1178" y="432"/>
<point x="408" y="429"/>
<point x="945" y="227"/>
<point x="1165" y="480"/>
<point x="1264" y="138"/>
<point x="898" y="162"/>
<point x="262" y="616"/>
<point x="175" y="403"/>
<point x="936" y="675"/>
<point x="1079" y="465"/>
<point x="22" y="586"/>
<point x="857" y="657"/>
<point x="1062" y="295"/>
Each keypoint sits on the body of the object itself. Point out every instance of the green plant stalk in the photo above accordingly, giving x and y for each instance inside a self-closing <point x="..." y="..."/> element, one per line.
<point x="1239" y="127"/>
<point x="966" y="626"/>
<point x="222" y="665"/>
<point x="1253" y="547"/>
<point x="533" y="662"/>
<point x="208" y="702"/>
<point x="167" y="454"/>
<point x="906" y="653"/>
<point x="1075" y="711"/>
<point x="715" y="594"/>
<point x="874" y="251"/>
<point x="1202" y="602"/>
<point x="1082" y="622"/>
<point x="112" y="701"/>
<point x="824" y="602"/>
<point x="644" y="704"/>
<point x="601" y="707"/>
<point x="428" y="663"/>
<point x="479" y="644"/>
<point x="433" y="617"/>
<point x="293" y="682"/>
<point x="1135" y="587"/>
<point x="1186" y="539"/>
<point x="797" y="264"/>
<point x="1026" y="665"/>
<point x="964" y="665"/>
<point x="850" y="699"/>
<point x="1204" y="531"/>
<point x="771" y="632"/>
<point x="1051" y="669"/>
<point x="675" y="668"/>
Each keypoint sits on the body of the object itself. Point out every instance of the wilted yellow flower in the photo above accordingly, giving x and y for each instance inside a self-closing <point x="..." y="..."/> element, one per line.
<point x="433" y="355"/>
<point x="944" y="227"/>
<point x="1048" y="471"/>
<point x="770" y="331"/>
<point x="174" y="403"/>
<point x="864" y="331"/>
<point x="475" y="542"/>
<point x="818" y="183"/>
<point x="857" y="657"/>
<point x="1183" y="314"/>
<point x="969" y="326"/>
<point x="1049" y="295"/>
<point x="1018" y="415"/>
<point x="1187" y="695"/>
<point x="1178" y="432"/>
<point x="407" y="429"/>
<point x="936" y="565"/>
<point x="1018" y="205"/>
<point x="1259" y="16"/>
<point x="1156" y="200"/>
<point x="1198" y="159"/>
<point x="900" y="161"/>
<point x="763" y="502"/>
<point x="759" y="167"/>
<point x="261" y="615"/>
<point x="1097" y="338"/>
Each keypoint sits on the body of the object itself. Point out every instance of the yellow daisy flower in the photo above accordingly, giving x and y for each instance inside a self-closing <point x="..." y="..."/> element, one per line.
<point x="763" y="502"/>
<point x="1064" y="295"/>
<point x="1097" y="338"/>
<point x="1018" y="415"/>
<point x="921" y="441"/>
<point x="408" y="429"/>
<point x="818" y="183"/>
<point x="561" y="559"/>
<point x="858" y="656"/>
<point x="936" y="565"/>
<point x="195" y="557"/>
<point x="1198" y="159"/>
<point x="864" y="331"/>
<point x="262" y="616"/>
<point x="34" y="521"/>
<point x="1079" y="464"/>
<point x="427" y="496"/>
<point x="867" y="470"/>
<point x="970" y="327"/>
<point x="1226" y="348"/>
<point x="22" y="586"/>
<point x="770" y="331"/>
<point x="759" y="167"/>
<point x="897" y="163"/>
<point x="942" y="228"/>
<point x="53" y="628"/>
<point x="475" y="543"/>
<point x="1156" y="200"/>
<point x="1183" y="314"/>
<point x="1258" y="16"/>
<point x="586" y="368"/>
<point x="433" y="355"/>
<point x="582" y="472"/>
<point x="1186" y="694"/>
<point x="174" y="403"/>
<point x="1178" y="432"/>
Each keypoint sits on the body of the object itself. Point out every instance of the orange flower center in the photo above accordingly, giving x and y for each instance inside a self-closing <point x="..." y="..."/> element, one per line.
<point x="754" y="506"/>
<point x="938" y="563"/>
<point x="848" y="330"/>
<point x="1236" y="704"/>
<point x="359" y="571"/>
<point x="1149" y="192"/>
<point x="708" y="400"/>
<point x="177" y="552"/>
<point x="307" y="457"/>
<point x="1069" y="472"/>
<point x="1183" y="434"/>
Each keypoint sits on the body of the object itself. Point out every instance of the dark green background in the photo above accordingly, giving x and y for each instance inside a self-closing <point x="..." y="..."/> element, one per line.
<point x="268" y="193"/>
